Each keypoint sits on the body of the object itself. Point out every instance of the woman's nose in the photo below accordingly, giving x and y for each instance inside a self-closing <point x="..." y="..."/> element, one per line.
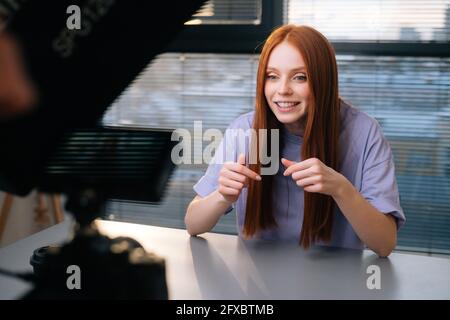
<point x="284" y="88"/>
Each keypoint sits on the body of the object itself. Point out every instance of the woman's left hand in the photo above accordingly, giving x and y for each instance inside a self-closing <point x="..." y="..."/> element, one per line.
<point x="314" y="176"/>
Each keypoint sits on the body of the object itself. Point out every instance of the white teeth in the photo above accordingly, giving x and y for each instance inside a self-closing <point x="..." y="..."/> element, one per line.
<point x="286" y="104"/>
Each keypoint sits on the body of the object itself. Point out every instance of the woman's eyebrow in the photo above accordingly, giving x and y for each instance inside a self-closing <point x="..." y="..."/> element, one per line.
<point x="301" y="68"/>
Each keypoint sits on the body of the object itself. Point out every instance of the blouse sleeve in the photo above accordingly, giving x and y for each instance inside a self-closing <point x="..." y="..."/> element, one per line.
<point x="379" y="184"/>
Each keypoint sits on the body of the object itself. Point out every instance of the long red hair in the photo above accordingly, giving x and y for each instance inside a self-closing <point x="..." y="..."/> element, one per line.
<point x="321" y="134"/>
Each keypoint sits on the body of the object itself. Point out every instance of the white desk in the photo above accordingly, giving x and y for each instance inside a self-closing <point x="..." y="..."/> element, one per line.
<point x="217" y="266"/>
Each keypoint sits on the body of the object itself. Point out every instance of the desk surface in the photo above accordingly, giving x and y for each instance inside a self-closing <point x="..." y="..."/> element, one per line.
<point x="217" y="266"/>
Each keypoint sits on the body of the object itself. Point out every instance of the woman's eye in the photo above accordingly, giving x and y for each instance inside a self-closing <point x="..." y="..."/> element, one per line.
<point x="300" y="77"/>
<point x="271" y="76"/>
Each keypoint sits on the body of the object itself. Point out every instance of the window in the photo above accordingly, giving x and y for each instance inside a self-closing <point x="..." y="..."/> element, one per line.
<point x="213" y="88"/>
<point x="409" y="97"/>
<point x="229" y="26"/>
<point x="225" y="12"/>
<point x="374" y="20"/>
<point x="386" y="27"/>
<point x="394" y="63"/>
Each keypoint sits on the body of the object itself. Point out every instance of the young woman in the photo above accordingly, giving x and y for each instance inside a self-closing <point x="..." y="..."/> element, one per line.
<point x="336" y="185"/>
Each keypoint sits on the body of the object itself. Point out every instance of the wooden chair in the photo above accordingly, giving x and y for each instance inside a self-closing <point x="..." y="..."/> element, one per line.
<point x="41" y="210"/>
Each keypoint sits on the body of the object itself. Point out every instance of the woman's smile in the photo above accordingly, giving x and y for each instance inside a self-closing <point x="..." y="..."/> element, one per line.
<point x="287" y="106"/>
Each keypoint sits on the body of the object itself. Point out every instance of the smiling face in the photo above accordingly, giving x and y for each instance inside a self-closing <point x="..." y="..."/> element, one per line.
<point x="286" y="88"/>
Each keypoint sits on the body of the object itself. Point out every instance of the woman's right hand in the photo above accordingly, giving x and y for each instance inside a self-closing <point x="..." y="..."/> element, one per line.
<point x="233" y="178"/>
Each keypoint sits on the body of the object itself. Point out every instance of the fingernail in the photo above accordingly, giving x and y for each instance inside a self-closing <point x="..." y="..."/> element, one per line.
<point x="258" y="178"/>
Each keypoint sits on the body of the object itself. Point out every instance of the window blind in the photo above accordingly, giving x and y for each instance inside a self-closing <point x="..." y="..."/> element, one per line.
<point x="374" y="20"/>
<point x="178" y="89"/>
<point x="410" y="99"/>
<point x="174" y="91"/>
<point x="228" y="12"/>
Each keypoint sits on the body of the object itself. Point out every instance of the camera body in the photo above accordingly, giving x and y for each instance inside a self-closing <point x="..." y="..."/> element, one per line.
<point x="93" y="266"/>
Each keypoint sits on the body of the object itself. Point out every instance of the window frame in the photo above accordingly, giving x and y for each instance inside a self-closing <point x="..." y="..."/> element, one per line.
<point x="394" y="48"/>
<point x="222" y="38"/>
